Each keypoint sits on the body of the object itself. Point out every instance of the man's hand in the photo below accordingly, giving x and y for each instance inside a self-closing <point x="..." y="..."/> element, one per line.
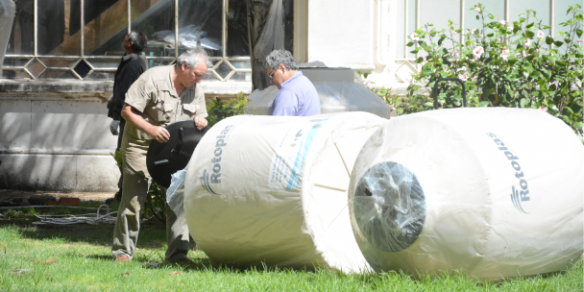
<point x="114" y="127"/>
<point x="200" y="122"/>
<point x="160" y="134"/>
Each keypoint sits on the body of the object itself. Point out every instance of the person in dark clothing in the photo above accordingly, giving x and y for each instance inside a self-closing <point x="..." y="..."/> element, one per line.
<point x="133" y="64"/>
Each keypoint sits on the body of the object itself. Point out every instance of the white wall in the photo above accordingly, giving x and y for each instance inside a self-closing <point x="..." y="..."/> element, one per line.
<point x="51" y="143"/>
<point x="353" y="33"/>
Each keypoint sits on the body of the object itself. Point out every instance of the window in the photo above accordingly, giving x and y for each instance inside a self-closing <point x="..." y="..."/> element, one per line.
<point x="82" y="39"/>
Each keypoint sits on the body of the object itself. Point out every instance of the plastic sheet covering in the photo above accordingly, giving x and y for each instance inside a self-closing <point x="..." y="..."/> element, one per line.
<point x="271" y="38"/>
<point x="340" y="90"/>
<point x="494" y="192"/>
<point x="7" y="11"/>
<point x="175" y="193"/>
<point x="273" y="190"/>
<point x="189" y="37"/>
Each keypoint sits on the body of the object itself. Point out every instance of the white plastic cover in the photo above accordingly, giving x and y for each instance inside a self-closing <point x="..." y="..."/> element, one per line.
<point x="495" y="192"/>
<point x="273" y="190"/>
<point x="7" y="11"/>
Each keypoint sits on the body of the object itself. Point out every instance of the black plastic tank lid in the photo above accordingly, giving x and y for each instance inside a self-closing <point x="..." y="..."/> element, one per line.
<point x="164" y="159"/>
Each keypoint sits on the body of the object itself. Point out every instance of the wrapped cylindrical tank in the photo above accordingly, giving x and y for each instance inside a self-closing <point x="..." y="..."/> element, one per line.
<point x="273" y="190"/>
<point x="493" y="192"/>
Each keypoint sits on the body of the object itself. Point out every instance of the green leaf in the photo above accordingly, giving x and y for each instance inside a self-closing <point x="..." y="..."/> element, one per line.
<point x="428" y="104"/>
<point x="549" y="40"/>
<point x="558" y="43"/>
<point x="442" y="38"/>
<point x="524" y="102"/>
<point x="483" y="104"/>
<point x="410" y="44"/>
<point x="477" y="17"/>
<point x="529" y="34"/>
<point x="579" y="32"/>
<point x="491" y="16"/>
<point x="530" y="25"/>
<point x="419" y="60"/>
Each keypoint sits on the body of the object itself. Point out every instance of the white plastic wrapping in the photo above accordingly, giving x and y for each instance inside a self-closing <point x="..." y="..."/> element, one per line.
<point x="273" y="190"/>
<point x="494" y="192"/>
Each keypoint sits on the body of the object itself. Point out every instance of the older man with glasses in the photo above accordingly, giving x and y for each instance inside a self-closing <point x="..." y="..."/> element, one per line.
<point x="297" y="95"/>
<point x="160" y="96"/>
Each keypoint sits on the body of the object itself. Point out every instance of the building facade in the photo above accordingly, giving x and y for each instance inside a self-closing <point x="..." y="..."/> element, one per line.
<point x="62" y="56"/>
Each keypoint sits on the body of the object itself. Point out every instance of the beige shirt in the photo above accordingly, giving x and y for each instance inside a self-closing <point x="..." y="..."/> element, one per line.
<point x="154" y="95"/>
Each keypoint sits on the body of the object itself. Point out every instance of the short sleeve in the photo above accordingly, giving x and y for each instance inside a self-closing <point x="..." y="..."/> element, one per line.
<point x="139" y="95"/>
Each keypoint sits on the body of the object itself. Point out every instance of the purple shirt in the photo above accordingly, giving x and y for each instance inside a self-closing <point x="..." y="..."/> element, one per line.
<point x="297" y="97"/>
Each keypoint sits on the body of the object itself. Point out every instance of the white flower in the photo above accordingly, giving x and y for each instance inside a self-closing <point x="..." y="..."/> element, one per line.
<point x="478" y="9"/>
<point x="392" y="107"/>
<point x="502" y="22"/>
<point x="543" y="108"/>
<point x="527" y="43"/>
<point x="477" y="52"/>
<point x="455" y="53"/>
<point x="540" y="34"/>
<point x="463" y="68"/>
<point x="414" y="36"/>
<point x="510" y="27"/>
<point x="581" y="42"/>
<point x="453" y="32"/>
<point x="462" y="76"/>
<point x="472" y="30"/>
<point x="505" y="54"/>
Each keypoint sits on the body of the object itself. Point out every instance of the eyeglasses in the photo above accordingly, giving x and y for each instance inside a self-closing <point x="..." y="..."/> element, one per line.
<point x="271" y="76"/>
<point x="200" y="75"/>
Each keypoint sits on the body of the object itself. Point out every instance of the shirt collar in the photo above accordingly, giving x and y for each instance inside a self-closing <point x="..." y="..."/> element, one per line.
<point x="296" y="75"/>
<point x="169" y="85"/>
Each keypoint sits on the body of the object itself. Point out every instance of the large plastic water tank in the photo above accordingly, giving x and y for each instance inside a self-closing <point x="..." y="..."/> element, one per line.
<point x="495" y="192"/>
<point x="273" y="190"/>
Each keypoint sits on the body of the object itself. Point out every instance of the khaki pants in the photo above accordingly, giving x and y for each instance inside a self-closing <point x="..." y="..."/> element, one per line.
<point x="136" y="182"/>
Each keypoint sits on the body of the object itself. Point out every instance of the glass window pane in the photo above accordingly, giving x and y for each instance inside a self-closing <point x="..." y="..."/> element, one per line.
<point x="15" y="74"/>
<point x="237" y="40"/>
<point x="495" y="7"/>
<point x="201" y="20"/>
<point x="106" y="25"/>
<point x="100" y="75"/>
<point x="541" y="7"/>
<point x="561" y="6"/>
<point x="156" y="20"/>
<point x="22" y="38"/>
<point x="16" y="62"/>
<point x="402" y="39"/>
<point x="56" y="36"/>
<point x="438" y="13"/>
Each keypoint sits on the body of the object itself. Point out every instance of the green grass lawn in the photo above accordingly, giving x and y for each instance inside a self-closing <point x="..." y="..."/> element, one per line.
<point x="77" y="258"/>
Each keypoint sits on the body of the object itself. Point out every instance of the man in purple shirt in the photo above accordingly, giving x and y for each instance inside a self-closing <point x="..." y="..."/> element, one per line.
<point x="297" y="95"/>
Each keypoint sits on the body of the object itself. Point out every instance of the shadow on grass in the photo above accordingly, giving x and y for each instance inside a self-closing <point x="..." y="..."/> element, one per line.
<point x="151" y="235"/>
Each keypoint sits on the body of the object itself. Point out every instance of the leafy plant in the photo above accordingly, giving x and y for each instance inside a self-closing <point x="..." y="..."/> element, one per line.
<point x="220" y="109"/>
<point x="502" y="64"/>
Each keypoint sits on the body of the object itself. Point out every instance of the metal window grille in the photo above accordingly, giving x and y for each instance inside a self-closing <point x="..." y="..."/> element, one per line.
<point x="82" y="66"/>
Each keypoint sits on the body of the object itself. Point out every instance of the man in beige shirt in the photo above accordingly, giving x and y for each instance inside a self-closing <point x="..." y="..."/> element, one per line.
<point x="162" y="95"/>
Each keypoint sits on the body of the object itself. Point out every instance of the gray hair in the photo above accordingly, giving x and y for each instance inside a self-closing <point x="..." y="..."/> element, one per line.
<point x="277" y="57"/>
<point x="192" y="58"/>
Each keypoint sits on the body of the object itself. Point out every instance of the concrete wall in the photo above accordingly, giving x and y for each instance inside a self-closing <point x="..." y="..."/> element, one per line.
<point x="56" y="141"/>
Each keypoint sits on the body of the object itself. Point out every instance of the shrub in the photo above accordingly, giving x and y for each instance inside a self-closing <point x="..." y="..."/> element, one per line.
<point x="502" y="64"/>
